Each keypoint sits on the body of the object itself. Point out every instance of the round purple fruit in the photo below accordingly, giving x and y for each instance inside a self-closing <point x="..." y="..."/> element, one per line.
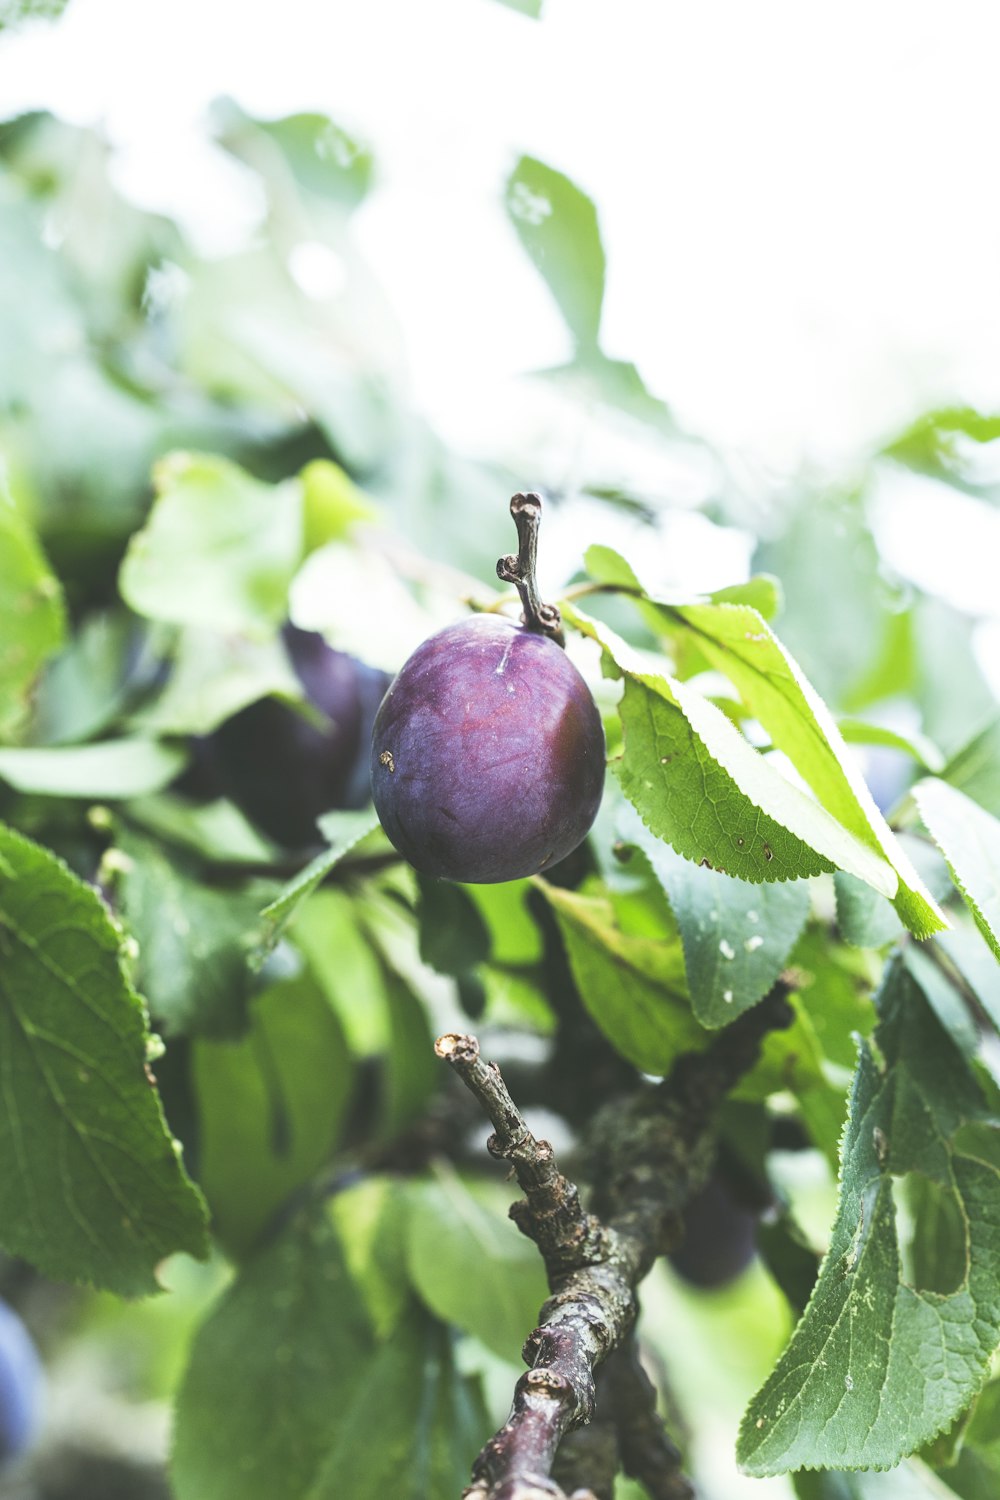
<point x="487" y="754"/>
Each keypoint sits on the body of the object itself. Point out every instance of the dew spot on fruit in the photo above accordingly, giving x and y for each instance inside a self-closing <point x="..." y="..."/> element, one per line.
<point x="385" y="759"/>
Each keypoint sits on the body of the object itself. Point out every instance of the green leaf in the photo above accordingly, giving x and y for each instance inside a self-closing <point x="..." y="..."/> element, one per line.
<point x="453" y="935"/>
<point x="975" y="769"/>
<point x="923" y="750"/>
<point x="344" y="830"/>
<point x="471" y="1266"/>
<point x="969" y="839"/>
<point x="975" y="1474"/>
<point x="974" y="959"/>
<point x="878" y="1365"/>
<point x="193" y="943"/>
<point x="532" y="8"/>
<point x="793" y="1062"/>
<point x="557" y="225"/>
<point x="413" y="1426"/>
<point x="736" y="936"/>
<point x="270" y="1106"/>
<point x="737" y="641"/>
<point x="633" y="987"/>
<point x="111" y="770"/>
<point x="32" y="616"/>
<point x="84" y="688"/>
<point x="92" y="1188"/>
<point x="213" y="676"/>
<point x="327" y="165"/>
<point x="700" y="786"/>
<point x="865" y="919"/>
<point x="215" y="831"/>
<point x="219" y="548"/>
<point x="332" y="504"/>
<point x="286" y="1343"/>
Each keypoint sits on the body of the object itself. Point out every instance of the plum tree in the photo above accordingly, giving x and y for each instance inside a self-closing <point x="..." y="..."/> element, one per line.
<point x="281" y="769"/>
<point x="487" y="758"/>
<point x="20" y="1386"/>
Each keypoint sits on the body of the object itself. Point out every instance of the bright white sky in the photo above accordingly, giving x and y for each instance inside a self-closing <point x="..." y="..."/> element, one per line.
<point x="798" y="201"/>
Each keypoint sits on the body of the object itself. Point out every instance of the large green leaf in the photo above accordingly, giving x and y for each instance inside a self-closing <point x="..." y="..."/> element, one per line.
<point x="270" y="1106"/>
<point x="700" y="786"/>
<point x="737" y="640"/>
<point x="213" y="676"/>
<point x="969" y="839"/>
<point x="219" y="548"/>
<point x="470" y="1264"/>
<point x="634" y="987"/>
<point x="895" y="1341"/>
<point x="315" y="1407"/>
<point x="737" y="936"/>
<point x="557" y="225"/>
<point x="32" y="618"/>
<point x="91" y="1185"/>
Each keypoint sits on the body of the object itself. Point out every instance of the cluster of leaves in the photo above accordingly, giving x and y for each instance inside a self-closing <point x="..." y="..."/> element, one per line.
<point x="272" y="1091"/>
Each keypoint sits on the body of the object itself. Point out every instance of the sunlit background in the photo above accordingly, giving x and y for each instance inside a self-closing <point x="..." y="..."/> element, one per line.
<point x="802" y="237"/>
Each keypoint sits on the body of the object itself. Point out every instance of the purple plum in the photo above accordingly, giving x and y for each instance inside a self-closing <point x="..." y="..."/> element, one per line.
<point x="20" y="1386"/>
<point x="720" y="1234"/>
<point x="487" y="754"/>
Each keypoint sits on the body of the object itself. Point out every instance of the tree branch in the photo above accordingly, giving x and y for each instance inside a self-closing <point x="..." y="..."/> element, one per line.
<point x="651" y="1152"/>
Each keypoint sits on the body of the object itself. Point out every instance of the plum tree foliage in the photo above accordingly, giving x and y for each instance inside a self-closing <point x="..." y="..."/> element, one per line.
<point x="754" y="1006"/>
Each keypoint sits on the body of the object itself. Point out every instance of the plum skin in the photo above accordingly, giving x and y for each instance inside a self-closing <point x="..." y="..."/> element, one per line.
<point x="487" y="754"/>
<point x="20" y="1386"/>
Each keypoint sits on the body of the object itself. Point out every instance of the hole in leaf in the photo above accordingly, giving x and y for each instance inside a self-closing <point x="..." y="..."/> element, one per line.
<point x="932" y="1234"/>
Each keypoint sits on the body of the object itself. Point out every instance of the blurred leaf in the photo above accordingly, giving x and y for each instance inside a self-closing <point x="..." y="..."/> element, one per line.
<point x="557" y="225"/>
<point x="975" y="1474"/>
<point x="969" y="839"/>
<point x="93" y="1189"/>
<point x="83" y="689"/>
<point x="975" y="769"/>
<point x="371" y="1214"/>
<point x="531" y="8"/>
<point x="270" y="1107"/>
<point x="865" y="919"/>
<point x="111" y="770"/>
<point x="871" y="1373"/>
<point x="737" y="936"/>
<point x="286" y="1343"/>
<point x="333" y="504"/>
<point x="32" y="617"/>
<point x="974" y="959"/>
<point x="923" y="750"/>
<point x="944" y="444"/>
<point x="470" y="1264"/>
<point x="793" y="1062"/>
<point x="323" y="159"/>
<point x="514" y="936"/>
<point x="835" y="984"/>
<point x="634" y="988"/>
<point x="14" y="12"/>
<point x="213" y="676"/>
<point x="700" y="786"/>
<point x="453" y="936"/>
<point x="411" y="1071"/>
<point x="343" y="830"/>
<point x="412" y="1427"/>
<point x="215" y="831"/>
<point x="219" y="548"/>
<point x="347" y="967"/>
<point x="193" y="943"/>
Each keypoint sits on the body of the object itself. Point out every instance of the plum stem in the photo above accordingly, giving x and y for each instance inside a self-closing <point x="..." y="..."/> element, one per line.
<point x="526" y="511"/>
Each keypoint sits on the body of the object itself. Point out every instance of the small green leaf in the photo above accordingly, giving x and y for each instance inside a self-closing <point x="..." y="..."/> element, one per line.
<point x="923" y="750"/>
<point x="111" y="770"/>
<point x="453" y="936"/>
<point x="92" y="1188"/>
<point x="219" y="548"/>
<point x="471" y="1266"/>
<point x="879" y="1365"/>
<point x="865" y="919"/>
<point x="84" y="688"/>
<point x="557" y="225"/>
<point x="215" y="675"/>
<point x="737" y="936"/>
<point x="270" y="1106"/>
<point x="633" y="987"/>
<point x="193" y="943"/>
<point x="343" y="830"/>
<point x="332" y="503"/>
<point x="32" y="615"/>
<point x="969" y="839"/>
<point x="532" y="8"/>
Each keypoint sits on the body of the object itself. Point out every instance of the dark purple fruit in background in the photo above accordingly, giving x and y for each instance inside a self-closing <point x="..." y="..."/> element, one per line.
<point x="20" y="1386"/>
<point x="487" y="758"/>
<point x="282" y="770"/>
<point x="720" y="1236"/>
